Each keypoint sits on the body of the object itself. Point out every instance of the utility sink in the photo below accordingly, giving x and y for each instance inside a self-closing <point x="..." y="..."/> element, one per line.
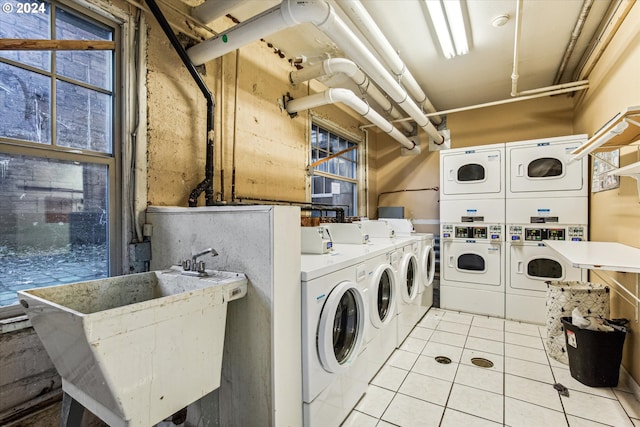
<point x="136" y="349"/>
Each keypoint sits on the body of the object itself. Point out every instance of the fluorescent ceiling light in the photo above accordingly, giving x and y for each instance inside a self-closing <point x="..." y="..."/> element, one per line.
<point x="449" y="25"/>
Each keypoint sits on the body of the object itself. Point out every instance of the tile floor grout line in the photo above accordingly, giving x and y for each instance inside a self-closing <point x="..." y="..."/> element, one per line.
<point x="453" y="382"/>
<point x="504" y="376"/>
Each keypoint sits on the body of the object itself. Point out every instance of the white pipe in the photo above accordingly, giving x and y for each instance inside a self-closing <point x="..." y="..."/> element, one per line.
<point x="321" y="14"/>
<point x="332" y="66"/>
<point x="510" y="100"/>
<point x="516" y="53"/>
<point x="365" y="23"/>
<point x="516" y="49"/>
<point x="503" y="101"/>
<point x="345" y="96"/>
<point x="554" y="87"/>
<point x="575" y="34"/>
<point x="211" y="10"/>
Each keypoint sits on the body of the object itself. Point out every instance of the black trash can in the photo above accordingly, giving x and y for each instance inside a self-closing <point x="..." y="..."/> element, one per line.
<point x="594" y="356"/>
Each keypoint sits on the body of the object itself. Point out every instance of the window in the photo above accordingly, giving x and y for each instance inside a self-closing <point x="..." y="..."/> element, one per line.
<point x="59" y="157"/>
<point x="335" y="170"/>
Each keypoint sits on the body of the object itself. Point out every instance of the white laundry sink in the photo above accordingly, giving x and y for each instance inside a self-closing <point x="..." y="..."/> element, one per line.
<point x="135" y="349"/>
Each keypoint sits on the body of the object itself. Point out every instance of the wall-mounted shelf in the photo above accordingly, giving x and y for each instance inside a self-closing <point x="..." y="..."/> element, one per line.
<point x="632" y="170"/>
<point x="611" y="256"/>
<point x="622" y="129"/>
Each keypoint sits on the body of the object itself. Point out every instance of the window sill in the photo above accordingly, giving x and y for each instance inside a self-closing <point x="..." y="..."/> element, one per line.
<point x="13" y="318"/>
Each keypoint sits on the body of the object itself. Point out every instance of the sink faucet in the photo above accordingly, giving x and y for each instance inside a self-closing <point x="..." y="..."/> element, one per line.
<point x="193" y="266"/>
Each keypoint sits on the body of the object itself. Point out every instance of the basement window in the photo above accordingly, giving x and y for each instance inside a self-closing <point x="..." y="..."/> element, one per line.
<point x="334" y="161"/>
<point x="59" y="152"/>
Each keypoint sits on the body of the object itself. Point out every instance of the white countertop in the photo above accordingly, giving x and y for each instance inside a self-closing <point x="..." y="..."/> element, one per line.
<point x="611" y="256"/>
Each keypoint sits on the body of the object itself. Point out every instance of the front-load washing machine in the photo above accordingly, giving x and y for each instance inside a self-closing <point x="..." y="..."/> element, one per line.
<point x="383" y="294"/>
<point x="335" y="323"/>
<point x="472" y="262"/>
<point x="426" y="264"/>
<point x="409" y="282"/>
<point x="542" y="168"/>
<point x="530" y="264"/>
<point x="472" y="172"/>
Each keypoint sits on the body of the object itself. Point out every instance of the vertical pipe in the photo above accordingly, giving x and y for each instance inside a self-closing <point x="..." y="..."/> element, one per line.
<point x="207" y="184"/>
<point x="516" y="49"/>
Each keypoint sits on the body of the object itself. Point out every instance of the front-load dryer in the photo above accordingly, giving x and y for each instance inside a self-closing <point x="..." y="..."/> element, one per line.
<point x="548" y="210"/>
<point x="472" y="172"/>
<point x="472" y="261"/>
<point x="335" y="322"/>
<point x="487" y="211"/>
<point x="542" y="168"/>
<point x="530" y="264"/>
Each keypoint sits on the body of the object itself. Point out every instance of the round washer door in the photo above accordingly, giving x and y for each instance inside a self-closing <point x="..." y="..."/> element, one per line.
<point x="383" y="295"/>
<point x="409" y="277"/>
<point x="341" y="327"/>
<point x="428" y="263"/>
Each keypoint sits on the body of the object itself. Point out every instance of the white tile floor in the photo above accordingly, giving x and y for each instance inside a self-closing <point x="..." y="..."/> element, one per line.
<point x="413" y="390"/>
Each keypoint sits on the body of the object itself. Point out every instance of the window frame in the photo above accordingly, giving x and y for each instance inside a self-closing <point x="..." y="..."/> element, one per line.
<point x="360" y="141"/>
<point x="122" y="27"/>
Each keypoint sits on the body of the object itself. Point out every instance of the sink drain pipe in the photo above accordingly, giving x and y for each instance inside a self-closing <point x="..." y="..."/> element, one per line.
<point x="207" y="184"/>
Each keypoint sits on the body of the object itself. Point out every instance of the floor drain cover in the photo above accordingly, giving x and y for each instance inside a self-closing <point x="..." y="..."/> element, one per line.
<point x="443" y="359"/>
<point x="482" y="362"/>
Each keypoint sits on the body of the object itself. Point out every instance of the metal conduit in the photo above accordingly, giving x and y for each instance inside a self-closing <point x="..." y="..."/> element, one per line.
<point x="207" y="184"/>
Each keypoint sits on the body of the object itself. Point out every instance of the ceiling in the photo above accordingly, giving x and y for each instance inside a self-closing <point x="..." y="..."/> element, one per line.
<point x="483" y="75"/>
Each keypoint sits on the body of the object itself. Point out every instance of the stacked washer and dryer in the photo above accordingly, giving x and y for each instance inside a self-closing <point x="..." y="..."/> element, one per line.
<point x="472" y="218"/>
<point x="497" y="204"/>
<point x="546" y="199"/>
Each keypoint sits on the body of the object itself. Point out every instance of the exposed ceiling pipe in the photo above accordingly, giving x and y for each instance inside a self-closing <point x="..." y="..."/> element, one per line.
<point x="211" y="10"/>
<point x="577" y="30"/>
<point x="365" y="23"/>
<point x="516" y="49"/>
<point x="321" y="14"/>
<point x="332" y="66"/>
<point x="345" y="96"/>
<point x="516" y="53"/>
<point x="507" y="101"/>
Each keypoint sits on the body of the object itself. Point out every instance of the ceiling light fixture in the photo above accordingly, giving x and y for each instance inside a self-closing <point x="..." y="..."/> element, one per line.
<point x="448" y="22"/>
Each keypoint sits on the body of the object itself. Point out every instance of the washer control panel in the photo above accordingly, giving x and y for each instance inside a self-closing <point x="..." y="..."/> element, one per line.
<point x="492" y="232"/>
<point x="521" y="234"/>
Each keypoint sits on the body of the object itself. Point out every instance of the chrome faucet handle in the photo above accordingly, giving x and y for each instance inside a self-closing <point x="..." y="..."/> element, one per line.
<point x="193" y="265"/>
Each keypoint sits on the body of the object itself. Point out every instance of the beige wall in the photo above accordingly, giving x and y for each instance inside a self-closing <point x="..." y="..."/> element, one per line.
<point x="253" y="134"/>
<point x="615" y="214"/>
